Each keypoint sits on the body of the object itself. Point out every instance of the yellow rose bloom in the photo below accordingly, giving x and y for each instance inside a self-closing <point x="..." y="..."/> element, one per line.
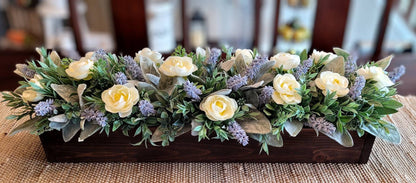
<point x="219" y="107"/>
<point x="285" y="89"/>
<point x="80" y="69"/>
<point x="31" y="95"/>
<point x="317" y="55"/>
<point x="154" y="56"/>
<point x="333" y="82"/>
<point x="120" y="99"/>
<point x="178" y="66"/>
<point x="377" y="74"/>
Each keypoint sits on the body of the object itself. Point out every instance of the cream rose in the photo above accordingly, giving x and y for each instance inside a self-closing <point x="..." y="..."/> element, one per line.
<point x="31" y="95"/>
<point x="333" y="82"/>
<point x="178" y="66"/>
<point x="317" y="55"/>
<point x="219" y="107"/>
<point x="200" y="52"/>
<point x="285" y="89"/>
<point x="80" y="69"/>
<point x="246" y="54"/>
<point x="154" y="56"/>
<point x="288" y="61"/>
<point x="377" y="74"/>
<point x="120" y="99"/>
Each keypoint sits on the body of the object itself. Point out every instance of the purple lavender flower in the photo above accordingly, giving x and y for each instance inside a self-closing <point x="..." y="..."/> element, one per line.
<point x="100" y="54"/>
<point x="265" y="95"/>
<point x="236" y="82"/>
<point x="255" y="66"/>
<point x="350" y="65"/>
<point x="397" y="73"/>
<point x="357" y="87"/>
<point x="192" y="91"/>
<point x="303" y="68"/>
<point x="120" y="78"/>
<point x="146" y="108"/>
<point x="238" y="133"/>
<point x="92" y="114"/>
<point x="213" y="56"/>
<point x="322" y="125"/>
<point x="44" y="108"/>
<point x="133" y="69"/>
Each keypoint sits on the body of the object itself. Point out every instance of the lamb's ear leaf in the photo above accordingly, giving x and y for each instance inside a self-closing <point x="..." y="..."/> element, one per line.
<point x="146" y="86"/>
<point x="341" y="52"/>
<point x="148" y="67"/>
<point x="70" y="131"/>
<point x="389" y="133"/>
<point x="240" y="64"/>
<point x="259" y="125"/>
<point x="55" y="58"/>
<point x="67" y="92"/>
<point x="154" y="79"/>
<point x="89" y="129"/>
<point x="265" y="68"/>
<point x="385" y="62"/>
<point x="194" y="125"/>
<point x="157" y="135"/>
<point x="337" y="65"/>
<point x="28" y="125"/>
<point x="293" y="127"/>
<point x="343" y="138"/>
<point x="227" y="65"/>
<point x="80" y="90"/>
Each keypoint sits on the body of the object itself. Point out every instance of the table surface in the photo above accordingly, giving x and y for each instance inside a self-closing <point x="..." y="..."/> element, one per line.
<point x="22" y="160"/>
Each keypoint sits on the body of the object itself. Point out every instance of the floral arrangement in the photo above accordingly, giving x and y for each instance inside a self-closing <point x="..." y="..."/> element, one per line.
<point x="212" y="93"/>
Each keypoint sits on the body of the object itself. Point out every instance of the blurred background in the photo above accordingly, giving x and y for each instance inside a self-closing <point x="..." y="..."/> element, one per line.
<point x="372" y="29"/>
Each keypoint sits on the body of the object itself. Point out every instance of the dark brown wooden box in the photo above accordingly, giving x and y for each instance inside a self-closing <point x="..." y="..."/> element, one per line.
<point x="305" y="148"/>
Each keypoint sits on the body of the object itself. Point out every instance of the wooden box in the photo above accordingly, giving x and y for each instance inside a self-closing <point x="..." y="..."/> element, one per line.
<point x="305" y="148"/>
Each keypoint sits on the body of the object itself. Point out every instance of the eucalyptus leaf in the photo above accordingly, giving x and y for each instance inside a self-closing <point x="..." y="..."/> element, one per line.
<point x="70" y="131"/>
<point x="152" y="78"/>
<point x="392" y="135"/>
<point x="227" y="65"/>
<point x="67" y="92"/>
<point x="344" y="138"/>
<point x="80" y="90"/>
<point x="57" y="126"/>
<point x="89" y="130"/>
<point x="60" y="118"/>
<point x="271" y="140"/>
<point x="293" y="127"/>
<point x="259" y="125"/>
<point x="385" y="62"/>
<point x="337" y="65"/>
<point x="28" y="125"/>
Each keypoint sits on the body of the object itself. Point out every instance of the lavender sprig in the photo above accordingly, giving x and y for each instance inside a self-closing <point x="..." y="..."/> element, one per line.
<point x="213" y="56"/>
<point x="255" y="66"/>
<point x="120" y="78"/>
<point x="236" y="82"/>
<point x="92" y="114"/>
<point x="100" y="54"/>
<point x="350" y="65"/>
<point x="238" y="133"/>
<point x="265" y="95"/>
<point x="397" y="73"/>
<point x="44" y="108"/>
<point x="357" y="87"/>
<point x="133" y="69"/>
<point x="322" y="125"/>
<point x="303" y="68"/>
<point x="192" y="91"/>
<point x="146" y="108"/>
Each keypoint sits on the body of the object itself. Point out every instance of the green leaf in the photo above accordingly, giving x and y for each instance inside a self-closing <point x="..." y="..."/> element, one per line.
<point x="304" y="55"/>
<point x="337" y="65"/>
<point x="344" y="138"/>
<point x="385" y="62"/>
<point x="389" y="133"/>
<point x="293" y="127"/>
<point x="270" y="139"/>
<point x="384" y="111"/>
<point x="341" y="52"/>
<point x="393" y="104"/>
<point x="116" y="125"/>
<point x="28" y="125"/>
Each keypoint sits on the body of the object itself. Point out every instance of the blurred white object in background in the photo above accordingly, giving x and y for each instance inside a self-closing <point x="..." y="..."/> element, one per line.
<point x="160" y="25"/>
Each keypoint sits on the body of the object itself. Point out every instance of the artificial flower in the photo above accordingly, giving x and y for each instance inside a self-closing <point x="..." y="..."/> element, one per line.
<point x="154" y="56"/>
<point x="219" y="107"/>
<point x="178" y="66"/>
<point x="377" y="74"/>
<point x="120" y="99"/>
<point x="80" y="69"/>
<point x="285" y="89"/>
<point x="246" y="54"/>
<point x="318" y="55"/>
<point x="31" y="95"/>
<point x="332" y="82"/>
<point x="286" y="61"/>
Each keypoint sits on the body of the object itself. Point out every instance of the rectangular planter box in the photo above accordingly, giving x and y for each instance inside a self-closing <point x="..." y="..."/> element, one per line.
<point x="305" y="148"/>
